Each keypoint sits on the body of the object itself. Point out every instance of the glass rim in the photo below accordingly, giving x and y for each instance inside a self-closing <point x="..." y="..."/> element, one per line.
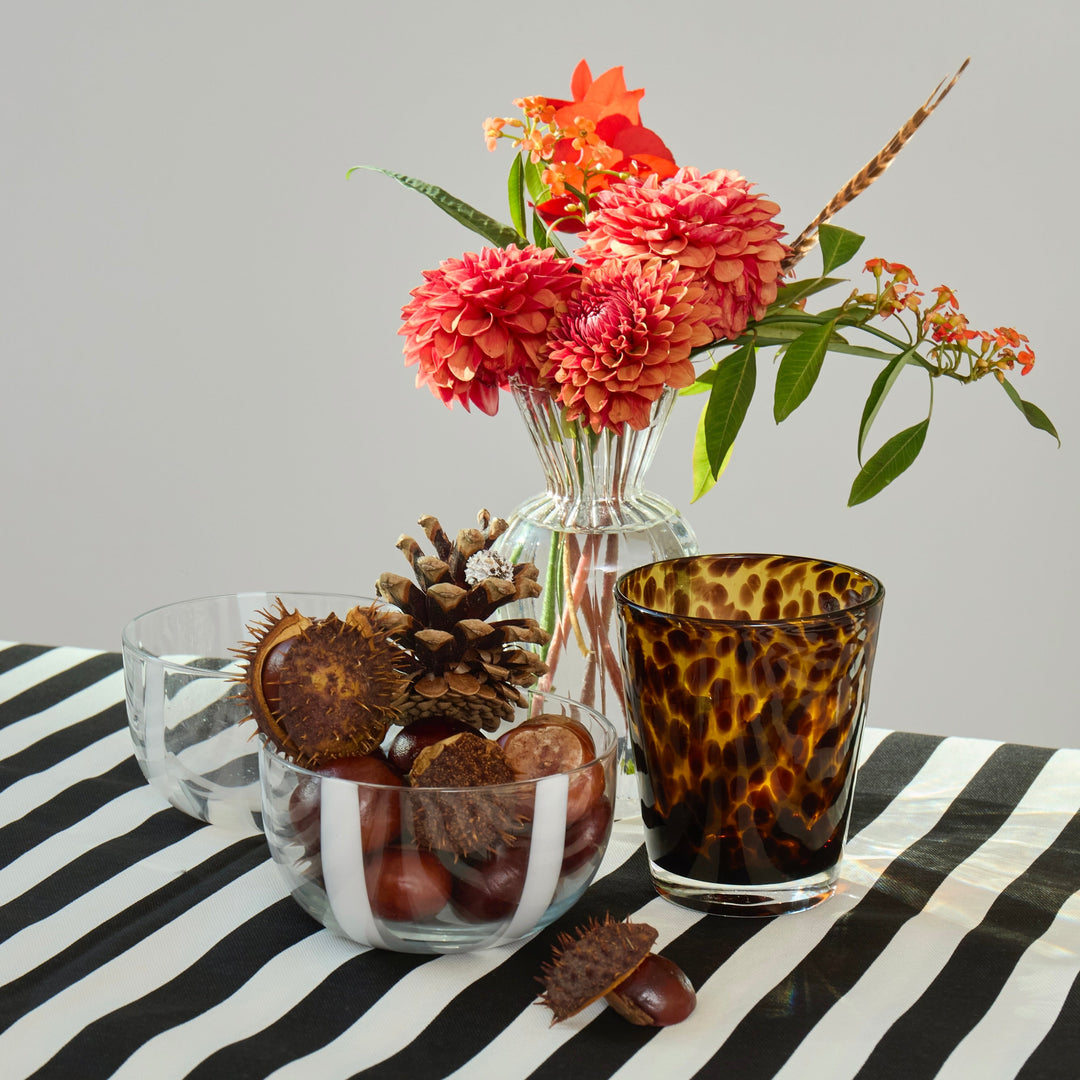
<point x="129" y="645"/>
<point x="824" y="617"/>
<point x="608" y="728"/>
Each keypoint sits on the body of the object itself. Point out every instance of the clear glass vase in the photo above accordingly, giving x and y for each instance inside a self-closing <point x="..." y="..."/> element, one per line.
<point x="594" y="521"/>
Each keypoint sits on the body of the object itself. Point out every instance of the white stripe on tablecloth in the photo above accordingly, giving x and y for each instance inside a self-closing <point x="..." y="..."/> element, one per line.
<point x="40" y="668"/>
<point x="36" y="1037"/>
<point x="267" y="996"/>
<point x="32" y="791"/>
<point x="116" y="817"/>
<point x="44" y="939"/>
<point x="87" y="702"/>
<point x="756" y="966"/>
<point x="1025" y="1010"/>
<point x="849" y="1031"/>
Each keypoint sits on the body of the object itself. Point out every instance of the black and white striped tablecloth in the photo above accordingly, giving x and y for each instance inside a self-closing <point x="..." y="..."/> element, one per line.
<point x="136" y="943"/>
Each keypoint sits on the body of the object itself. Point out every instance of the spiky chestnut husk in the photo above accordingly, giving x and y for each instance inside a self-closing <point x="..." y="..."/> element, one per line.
<point x="586" y="968"/>
<point x="464" y="664"/>
<point x="458" y="821"/>
<point x="335" y="683"/>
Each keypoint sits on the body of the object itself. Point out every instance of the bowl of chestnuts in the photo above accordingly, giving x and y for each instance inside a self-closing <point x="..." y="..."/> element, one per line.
<point x="447" y="838"/>
<point x="420" y="791"/>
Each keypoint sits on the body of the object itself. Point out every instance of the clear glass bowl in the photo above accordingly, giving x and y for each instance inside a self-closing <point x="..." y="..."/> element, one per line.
<point x="350" y="854"/>
<point x="184" y="704"/>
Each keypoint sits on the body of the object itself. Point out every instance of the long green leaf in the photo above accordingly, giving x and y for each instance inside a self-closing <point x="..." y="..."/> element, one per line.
<point x="799" y="369"/>
<point x="499" y="234"/>
<point x="888" y="463"/>
<point x="797" y="290"/>
<point x="1032" y="413"/>
<point x="703" y="474"/>
<point x="882" y="385"/>
<point x="838" y="246"/>
<point x="732" y="392"/>
<point x="515" y="192"/>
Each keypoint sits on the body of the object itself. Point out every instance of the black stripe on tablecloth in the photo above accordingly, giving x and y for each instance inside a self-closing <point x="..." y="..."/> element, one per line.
<point x="1056" y="1057"/>
<point x="61" y="744"/>
<point x="609" y="1042"/>
<point x="55" y="688"/>
<point x="773" y="1029"/>
<point x="956" y="1001"/>
<point x="66" y="808"/>
<point x="128" y="927"/>
<point x="316" y="1020"/>
<point x="16" y="655"/>
<point x="111" y="1039"/>
<point x="91" y="868"/>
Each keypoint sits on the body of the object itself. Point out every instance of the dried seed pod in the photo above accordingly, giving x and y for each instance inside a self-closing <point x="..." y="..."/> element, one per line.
<point x="460" y="821"/>
<point x="603" y="961"/>
<point x="321" y="689"/>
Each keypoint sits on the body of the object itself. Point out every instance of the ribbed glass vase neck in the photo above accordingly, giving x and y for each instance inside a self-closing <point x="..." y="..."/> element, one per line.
<point x="595" y="480"/>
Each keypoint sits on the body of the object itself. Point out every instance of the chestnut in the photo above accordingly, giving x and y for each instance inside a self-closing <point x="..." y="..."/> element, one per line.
<point x="380" y="810"/>
<point x="490" y="890"/>
<point x="585" y="836"/>
<point x="655" y="994"/>
<point x="408" y="742"/>
<point x="613" y="960"/>
<point x="406" y="884"/>
<point x="552" y="744"/>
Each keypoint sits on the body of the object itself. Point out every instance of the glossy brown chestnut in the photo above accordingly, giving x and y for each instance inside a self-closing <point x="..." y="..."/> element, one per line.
<point x="655" y="994"/>
<point x="271" y="673"/>
<point x="552" y="744"/>
<point x="406" y="884"/>
<point x="380" y="809"/>
<point x="408" y="742"/>
<point x="585" y="836"/>
<point x="490" y="890"/>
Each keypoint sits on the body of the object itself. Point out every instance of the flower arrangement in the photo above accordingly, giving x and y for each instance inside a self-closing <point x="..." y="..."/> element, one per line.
<point x="669" y="265"/>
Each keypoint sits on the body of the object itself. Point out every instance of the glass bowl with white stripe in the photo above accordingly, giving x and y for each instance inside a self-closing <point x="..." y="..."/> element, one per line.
<point x="443" y="869"/>
<point x="186" y="708"/>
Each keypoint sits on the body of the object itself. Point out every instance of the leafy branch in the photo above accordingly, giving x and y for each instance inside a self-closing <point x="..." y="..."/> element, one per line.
<point x="936" y="340"/>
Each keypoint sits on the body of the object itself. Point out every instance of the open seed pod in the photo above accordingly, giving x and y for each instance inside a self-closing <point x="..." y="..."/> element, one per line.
<point x="320" y="689"/>
<point x="463" y="663"/>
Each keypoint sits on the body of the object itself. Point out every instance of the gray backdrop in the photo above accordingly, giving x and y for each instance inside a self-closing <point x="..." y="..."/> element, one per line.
<point x="203" y="388"/>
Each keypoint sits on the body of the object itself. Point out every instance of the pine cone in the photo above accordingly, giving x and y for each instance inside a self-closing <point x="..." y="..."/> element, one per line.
<point x="463" y="663"/>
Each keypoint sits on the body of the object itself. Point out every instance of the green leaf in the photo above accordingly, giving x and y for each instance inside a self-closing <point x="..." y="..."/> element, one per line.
<point x="499" y="234"/>
<point x="888" y="463"/>
<point x="515" y="191"/>
<point x="1032" y="413"/>
<point x="703" y="474"/>
<point x="538" y="190"/>
<point x="788" y="294"/>
<point x="882" y="385"/>
<point x="799" y="369"/>
<point x="732" y="391"/>
<point x="838" y="246"/>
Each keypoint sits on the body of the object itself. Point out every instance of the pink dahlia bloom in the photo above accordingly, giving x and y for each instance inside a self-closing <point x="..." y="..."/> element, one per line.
<point x="711" y="223"/>
<point x="479" y="319"/>
<point x="621" y="338"/>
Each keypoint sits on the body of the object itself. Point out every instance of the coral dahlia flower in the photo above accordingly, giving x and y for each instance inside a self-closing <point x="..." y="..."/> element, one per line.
<point x="621" y="338"/>
<point x="479" y="319"/>
<point x="711" y="223"/>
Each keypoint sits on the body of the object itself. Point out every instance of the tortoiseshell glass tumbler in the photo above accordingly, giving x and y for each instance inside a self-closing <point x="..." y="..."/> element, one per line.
<point x="746" y="680"/>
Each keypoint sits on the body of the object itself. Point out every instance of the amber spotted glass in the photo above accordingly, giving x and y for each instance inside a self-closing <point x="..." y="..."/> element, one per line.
<point x="746" y="681"/>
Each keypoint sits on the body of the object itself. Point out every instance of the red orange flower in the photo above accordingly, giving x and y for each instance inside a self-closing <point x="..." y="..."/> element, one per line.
<point x="621" y="338"/>
<point x="479" y="319"/>
<point x="711" y="223"/>
<point x="610" y="113"/>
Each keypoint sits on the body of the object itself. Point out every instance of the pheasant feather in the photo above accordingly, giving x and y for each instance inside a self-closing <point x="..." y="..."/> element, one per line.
<point x="805" y="241"/>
